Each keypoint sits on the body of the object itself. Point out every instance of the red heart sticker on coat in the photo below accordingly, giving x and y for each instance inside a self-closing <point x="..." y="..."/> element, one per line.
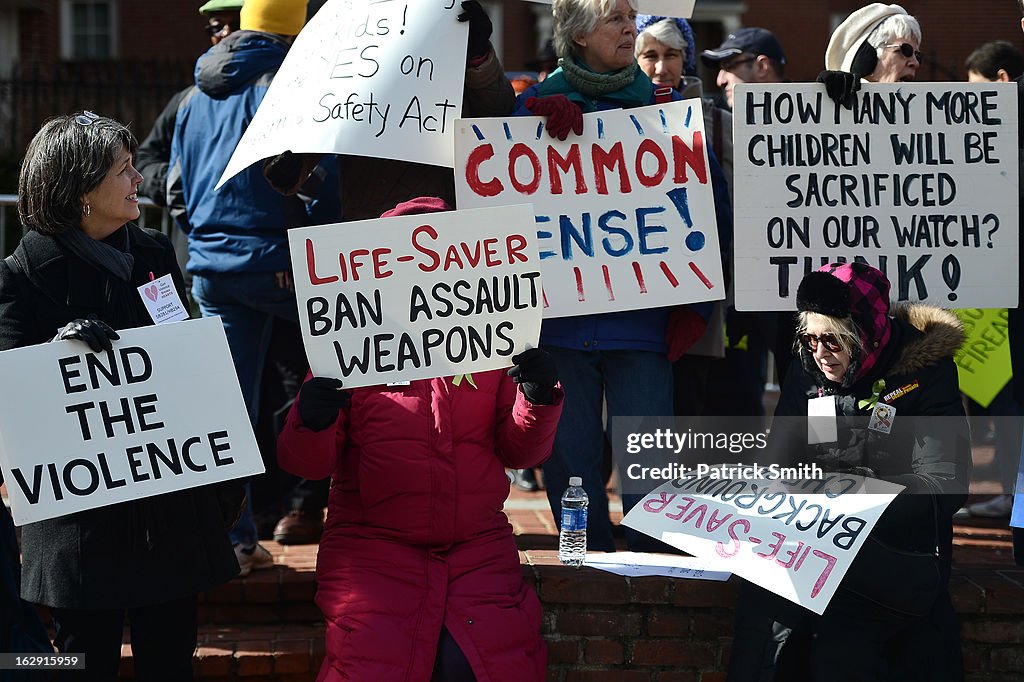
<point x="151" y="292"/>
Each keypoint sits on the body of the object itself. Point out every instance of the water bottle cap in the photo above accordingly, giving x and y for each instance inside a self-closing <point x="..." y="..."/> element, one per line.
<point x="575" y="481"/>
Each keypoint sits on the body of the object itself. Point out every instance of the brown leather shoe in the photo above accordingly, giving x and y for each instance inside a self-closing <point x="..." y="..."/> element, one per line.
<point x="299" y="527"/>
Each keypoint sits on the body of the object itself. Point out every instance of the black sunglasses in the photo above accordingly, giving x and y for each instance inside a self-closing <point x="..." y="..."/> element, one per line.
<point x="729" y="66"/>
<point x="216" y="29"/>
<point x="830" y="341"/>
<point x="908" y="51"/>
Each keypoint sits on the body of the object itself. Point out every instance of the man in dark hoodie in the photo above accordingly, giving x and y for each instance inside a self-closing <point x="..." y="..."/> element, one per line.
<point x="154" y="153"/>
<point x="238" y="244"/>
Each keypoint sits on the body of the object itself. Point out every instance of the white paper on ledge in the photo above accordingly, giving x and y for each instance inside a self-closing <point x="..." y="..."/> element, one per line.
<point x="642" y="564"/>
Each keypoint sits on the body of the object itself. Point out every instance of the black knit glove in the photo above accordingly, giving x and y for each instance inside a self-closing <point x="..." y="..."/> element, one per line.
<point x="282" y="171"/>
<point x="480" y="29"/>
<point x="841" y="86"/>
<point x="96" y="333"/>
<point x="320" y="401"/>
<point x="536" y="373"/>
<point x="859" y="471"/>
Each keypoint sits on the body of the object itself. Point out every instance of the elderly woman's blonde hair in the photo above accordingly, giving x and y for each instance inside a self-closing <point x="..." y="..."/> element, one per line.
<point x="575" y="18"/>
<point x="844" y="328"/>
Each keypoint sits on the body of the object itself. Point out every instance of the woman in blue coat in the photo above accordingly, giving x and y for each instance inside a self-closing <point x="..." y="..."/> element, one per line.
<point x="616" y="359"/>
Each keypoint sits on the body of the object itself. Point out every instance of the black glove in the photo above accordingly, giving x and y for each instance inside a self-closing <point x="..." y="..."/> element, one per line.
<point x="96" y="333"/>
<point x="480" y="29"/>
<point x="859" y="471"/>
<point x="841" y="86"/>
<point x="536" y="373"/>
<point x="320" y="401"/>
<point x="282" y="171"/>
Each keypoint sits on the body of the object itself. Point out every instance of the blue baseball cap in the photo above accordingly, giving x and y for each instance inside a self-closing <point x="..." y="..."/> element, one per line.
<point x="756" y="41"/>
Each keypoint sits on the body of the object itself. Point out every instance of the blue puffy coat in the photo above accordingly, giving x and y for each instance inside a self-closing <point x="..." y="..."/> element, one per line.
<point x="242" y="227"/>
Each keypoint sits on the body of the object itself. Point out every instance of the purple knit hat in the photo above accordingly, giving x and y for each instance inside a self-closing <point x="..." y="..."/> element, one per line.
<point x="854" y="290"/>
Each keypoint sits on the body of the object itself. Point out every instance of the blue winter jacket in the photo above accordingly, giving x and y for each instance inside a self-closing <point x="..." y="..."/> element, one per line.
<point x="242" y="227"/>
<point x="633" y="329"/>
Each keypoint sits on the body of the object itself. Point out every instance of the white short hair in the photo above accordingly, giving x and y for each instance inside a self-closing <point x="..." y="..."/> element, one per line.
<point x="665" y="32"/>
<point x="575" y="18"/>
<point x="895" y="27"/>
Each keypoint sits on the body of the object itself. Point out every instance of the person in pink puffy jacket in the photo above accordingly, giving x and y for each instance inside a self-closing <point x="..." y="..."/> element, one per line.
<point x="418" y="573"/>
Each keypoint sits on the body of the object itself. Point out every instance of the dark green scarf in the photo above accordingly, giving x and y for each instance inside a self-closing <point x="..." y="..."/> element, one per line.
<point x="629" y="87"/>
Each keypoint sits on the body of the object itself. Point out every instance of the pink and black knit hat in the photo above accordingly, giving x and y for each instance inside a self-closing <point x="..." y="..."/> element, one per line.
<point x="854" y="290"/>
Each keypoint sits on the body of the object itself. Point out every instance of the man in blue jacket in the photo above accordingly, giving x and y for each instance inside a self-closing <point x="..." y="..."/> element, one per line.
<point x="238" y="244"/>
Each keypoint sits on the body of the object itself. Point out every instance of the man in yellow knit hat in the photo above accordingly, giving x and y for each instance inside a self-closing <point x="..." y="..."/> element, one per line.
<point x="238" y="245"/>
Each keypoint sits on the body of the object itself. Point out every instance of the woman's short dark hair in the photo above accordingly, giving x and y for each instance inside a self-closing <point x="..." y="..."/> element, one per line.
<point x="991" y="57"/>
<point x="65" y="160"/>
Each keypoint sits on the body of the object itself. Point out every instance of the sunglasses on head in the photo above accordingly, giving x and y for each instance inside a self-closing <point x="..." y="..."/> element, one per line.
<point x="907" y="50"/>
<point x="86" y="118"/>
<point x="830" y="341"/>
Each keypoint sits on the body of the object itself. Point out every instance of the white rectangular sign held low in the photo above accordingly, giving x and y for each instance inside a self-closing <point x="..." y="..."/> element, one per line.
<point x="796" y="539"/>
<point x="365" y="77"/>
<point x="625" y="212"/>
<point x="918" y="180"/>
<point x="417" y="296"/>
<point x="160" y="412"/>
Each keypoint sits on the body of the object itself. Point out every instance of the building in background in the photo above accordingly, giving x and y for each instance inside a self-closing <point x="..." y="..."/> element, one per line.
<point x="952" y="30"/>
<point x="124" y="58"/>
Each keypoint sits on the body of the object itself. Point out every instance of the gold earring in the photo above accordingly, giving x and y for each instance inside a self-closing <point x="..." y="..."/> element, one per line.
<point x="87" y="210"/>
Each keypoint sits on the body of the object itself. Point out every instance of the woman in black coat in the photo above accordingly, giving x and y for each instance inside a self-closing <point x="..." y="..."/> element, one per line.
<point x="76" y="273"/>
<point x="890" y="378"/>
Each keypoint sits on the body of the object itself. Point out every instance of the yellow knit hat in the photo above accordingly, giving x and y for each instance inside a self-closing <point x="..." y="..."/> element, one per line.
<point x="284" y="17"/>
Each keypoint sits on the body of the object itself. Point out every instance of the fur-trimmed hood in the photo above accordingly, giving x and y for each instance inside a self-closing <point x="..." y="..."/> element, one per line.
<point x="922" y="336"/>
<point x="942" y="335"/>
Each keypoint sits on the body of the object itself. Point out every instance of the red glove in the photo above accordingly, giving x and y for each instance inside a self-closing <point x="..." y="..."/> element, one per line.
<point x="684" y="328"/>
<point x="563" y="115"/>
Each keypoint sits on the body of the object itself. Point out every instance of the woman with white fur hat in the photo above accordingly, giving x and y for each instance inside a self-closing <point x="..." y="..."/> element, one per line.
<point x="878" y="43"/>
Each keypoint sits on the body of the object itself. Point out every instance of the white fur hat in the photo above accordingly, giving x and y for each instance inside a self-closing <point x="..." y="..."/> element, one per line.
<point x="851" y="34"/>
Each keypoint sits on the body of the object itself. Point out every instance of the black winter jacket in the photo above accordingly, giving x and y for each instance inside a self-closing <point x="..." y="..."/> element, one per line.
<point x="125" y="555"/>
<point x="928" y="448"/>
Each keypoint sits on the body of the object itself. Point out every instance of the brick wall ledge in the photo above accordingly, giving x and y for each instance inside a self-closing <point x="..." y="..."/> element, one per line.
<point x="604" y="627"/>
<point x="599" y="627"/>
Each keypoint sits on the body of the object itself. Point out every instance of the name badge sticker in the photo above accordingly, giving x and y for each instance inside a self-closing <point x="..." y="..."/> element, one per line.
<point x="821" y="420"/>
<point x="161" y="300"/>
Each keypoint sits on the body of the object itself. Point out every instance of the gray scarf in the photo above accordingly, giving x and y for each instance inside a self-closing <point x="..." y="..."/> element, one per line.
<point x="102" y="255"/>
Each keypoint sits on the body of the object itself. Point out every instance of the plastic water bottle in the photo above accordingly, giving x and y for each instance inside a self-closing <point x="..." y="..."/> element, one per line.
<point x="572" y="540"/>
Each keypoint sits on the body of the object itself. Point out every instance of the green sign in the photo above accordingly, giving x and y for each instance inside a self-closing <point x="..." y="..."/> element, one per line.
<point x="983" y="361"/>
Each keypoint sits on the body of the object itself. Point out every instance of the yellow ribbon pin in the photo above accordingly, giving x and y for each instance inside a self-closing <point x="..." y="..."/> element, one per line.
<point x="876" y="390"/>
<point x="457" y="380"/>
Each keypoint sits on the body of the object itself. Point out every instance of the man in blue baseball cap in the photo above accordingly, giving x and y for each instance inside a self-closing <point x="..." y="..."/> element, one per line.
<point x="750" y="55"/>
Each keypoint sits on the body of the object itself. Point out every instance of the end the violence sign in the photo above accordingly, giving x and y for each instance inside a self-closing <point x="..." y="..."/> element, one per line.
<point x="160" y="412"/>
